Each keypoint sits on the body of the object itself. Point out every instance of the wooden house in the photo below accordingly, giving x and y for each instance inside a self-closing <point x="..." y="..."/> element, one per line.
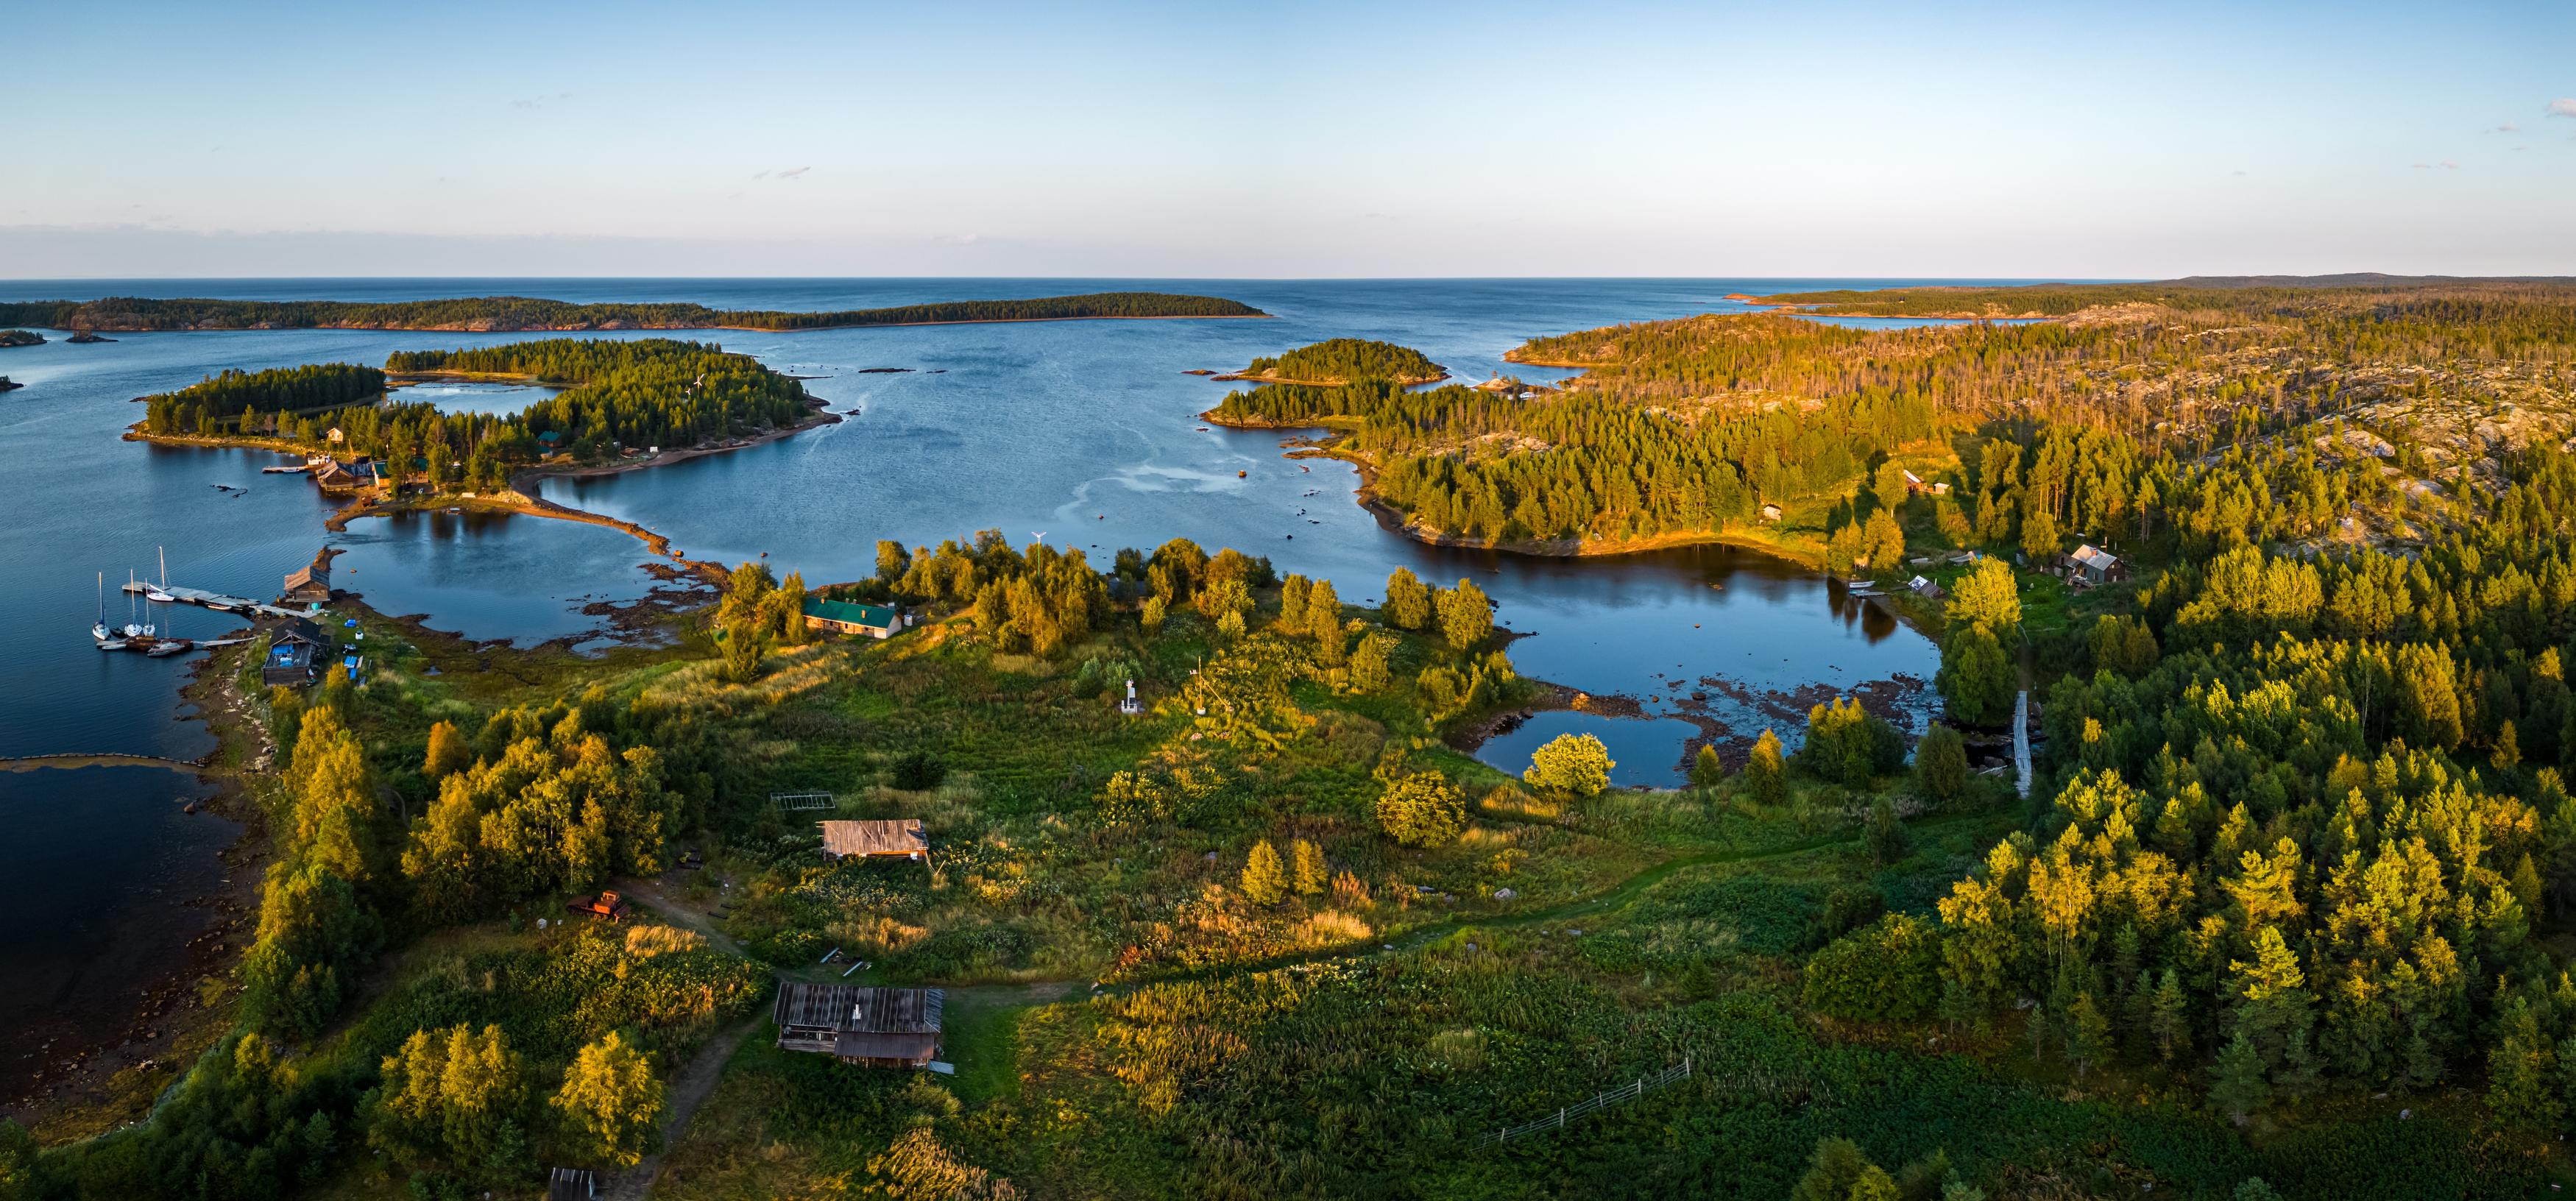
<point x="1770" y="512"/>
<point x="572" y="1184"/>
<point x="878" y="1027"/>
<point x="297" y="652"/>
<point x="900" y="838"/>
<point x="874" y="621"/>
<point x="2090" y="565"/>
<point x="309" y="583"/>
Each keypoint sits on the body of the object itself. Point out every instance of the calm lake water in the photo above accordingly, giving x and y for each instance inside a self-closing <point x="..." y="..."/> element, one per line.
<point x="1083" y="432"/>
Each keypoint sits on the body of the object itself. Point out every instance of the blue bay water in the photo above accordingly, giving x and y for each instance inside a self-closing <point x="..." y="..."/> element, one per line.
<point x="1083" y="431"/>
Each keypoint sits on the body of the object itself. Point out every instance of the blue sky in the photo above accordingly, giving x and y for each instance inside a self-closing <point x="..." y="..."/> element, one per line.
<point x="1288" y="139"/>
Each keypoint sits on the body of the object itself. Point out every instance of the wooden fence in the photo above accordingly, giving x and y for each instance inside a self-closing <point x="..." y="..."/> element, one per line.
<point x="799" y="802"/>
<point x="1617" y="1096"/>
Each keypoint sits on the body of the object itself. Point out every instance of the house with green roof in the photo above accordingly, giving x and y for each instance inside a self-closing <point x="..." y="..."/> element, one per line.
<point x="875" y="621"/>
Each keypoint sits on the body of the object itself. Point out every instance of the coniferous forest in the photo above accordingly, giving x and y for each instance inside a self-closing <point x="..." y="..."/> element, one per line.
<point x="504" y="313"/>
<point x="2285" y="909"/>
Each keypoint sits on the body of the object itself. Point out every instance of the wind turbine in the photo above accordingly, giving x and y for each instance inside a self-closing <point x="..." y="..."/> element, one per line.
<point x="1040" y="535"/>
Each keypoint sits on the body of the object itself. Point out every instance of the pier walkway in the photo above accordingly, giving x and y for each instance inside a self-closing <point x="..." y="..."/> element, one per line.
<point x="212" y="600"/>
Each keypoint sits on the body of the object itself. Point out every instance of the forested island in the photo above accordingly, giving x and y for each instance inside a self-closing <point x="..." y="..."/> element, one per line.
<point x="20" y="337"/>
<point x="1343" y="361"/>
<point x="622" y="401"/>
<point x="514" y="313"/>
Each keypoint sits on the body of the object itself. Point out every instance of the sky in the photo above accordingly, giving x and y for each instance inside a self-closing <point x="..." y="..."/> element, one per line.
<point x="1288" y="140"/>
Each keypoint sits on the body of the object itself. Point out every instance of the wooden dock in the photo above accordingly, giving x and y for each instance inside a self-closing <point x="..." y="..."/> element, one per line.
<point x="211" y="600"/>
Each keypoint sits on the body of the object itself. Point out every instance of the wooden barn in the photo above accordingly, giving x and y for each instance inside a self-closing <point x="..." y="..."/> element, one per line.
<point x="902" y="838"/>
<point x="309" y="583"/>
<point x="874" y="621"/>
<point x="878" y="1027"/>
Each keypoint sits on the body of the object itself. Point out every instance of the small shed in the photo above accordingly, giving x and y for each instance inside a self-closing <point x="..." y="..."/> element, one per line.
<point x="875" y="621"/>
<point x="2091" y="565"/>
<point x="310" y="583"/>
<point x="1770" y="512"/>
<point x="1926" y="588"/>
<point x="901" y="837"/>
<point x="572" y="1184"/>
<point x="878" y="1027"/>
<point x="1914" y="483"/>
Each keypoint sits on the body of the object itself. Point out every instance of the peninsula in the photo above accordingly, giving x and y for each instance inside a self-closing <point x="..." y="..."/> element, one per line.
<point x="513" y="314"/>
<point x="1798" y="437"/>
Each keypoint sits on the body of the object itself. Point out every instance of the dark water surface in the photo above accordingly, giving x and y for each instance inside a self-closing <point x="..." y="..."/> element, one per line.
<point x="107" y="875"/>
<point x="1082" y="430"/>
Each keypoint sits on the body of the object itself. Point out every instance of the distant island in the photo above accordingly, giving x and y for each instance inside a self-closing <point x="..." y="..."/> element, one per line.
<point x="507" y="314"/>
<point x="20" y="337"/>
<point x="1344" y="360"/>
<point x="6" y="385"/>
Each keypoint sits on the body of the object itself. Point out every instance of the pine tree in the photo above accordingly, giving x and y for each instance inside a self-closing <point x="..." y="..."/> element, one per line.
<point x="2240" y="1088"/>
<point x="1324" y="621"/>
<point x="1706" y="768"/>
<point x="2088" y="1033"/>
<point x="1311" y="876"/>
<point x="2169" y="1018"/>
<point x="1263" y="881"/>
<point x="1766" y="771"/>
<point x="743" y="650"/>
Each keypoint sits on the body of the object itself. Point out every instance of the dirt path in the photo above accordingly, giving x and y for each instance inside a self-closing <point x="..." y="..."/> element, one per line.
<point x="688" y="1090"/>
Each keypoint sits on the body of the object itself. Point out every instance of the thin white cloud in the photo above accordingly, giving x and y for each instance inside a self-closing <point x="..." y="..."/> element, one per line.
<point x="793" y="174"/>
<point x="2562" y="108"/>
<point x="2507" y="127"/>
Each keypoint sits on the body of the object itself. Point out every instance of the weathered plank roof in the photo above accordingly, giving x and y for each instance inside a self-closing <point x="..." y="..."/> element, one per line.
<point x="854" y="1044"/>
<point x="901" y="837"/>
<point x="2098" y="560"/>
<point x="571" y="1184"/>
<point x="856" y="1009"/>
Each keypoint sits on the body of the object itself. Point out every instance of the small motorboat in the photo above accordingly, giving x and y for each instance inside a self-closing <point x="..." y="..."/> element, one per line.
<point x="170" y="646"/>
<point x="111" y="644"/>
<point x="155" y="594"/>
<point x="452" y="511"/>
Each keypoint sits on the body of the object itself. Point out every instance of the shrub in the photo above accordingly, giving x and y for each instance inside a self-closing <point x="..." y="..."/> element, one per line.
<point x="1941" y="763"/>
<point x="918" y="771"/>
<point x="1575" y="763"/>
<point x="1408" y="603"/>
<point x="1422" y="810"/>
<point x="1885" y="972"/>
<point x="1706" y="768"/>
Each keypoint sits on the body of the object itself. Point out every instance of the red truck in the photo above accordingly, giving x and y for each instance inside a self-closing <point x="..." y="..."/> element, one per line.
<point x="605" y="905"/>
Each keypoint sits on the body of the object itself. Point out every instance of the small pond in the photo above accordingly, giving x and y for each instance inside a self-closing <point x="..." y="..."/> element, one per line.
<point x="1646" y="750"/>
